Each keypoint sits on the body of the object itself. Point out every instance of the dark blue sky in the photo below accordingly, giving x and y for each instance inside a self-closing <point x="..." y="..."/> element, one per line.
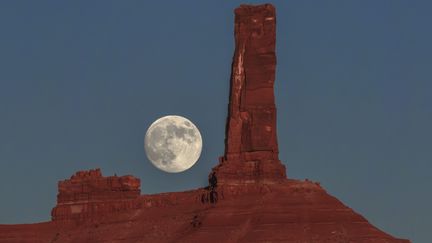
<point x="80" y="82"/>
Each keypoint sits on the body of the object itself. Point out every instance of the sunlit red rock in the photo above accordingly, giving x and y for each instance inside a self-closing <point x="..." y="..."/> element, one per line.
<point x="290" y="211"/>
<point x="88" y="193"/>
<point x="248" y="199"/>
<point x="251" y="148"/>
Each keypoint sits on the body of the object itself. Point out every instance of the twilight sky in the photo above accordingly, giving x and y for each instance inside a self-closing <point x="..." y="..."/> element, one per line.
<point x="81" y="81"/>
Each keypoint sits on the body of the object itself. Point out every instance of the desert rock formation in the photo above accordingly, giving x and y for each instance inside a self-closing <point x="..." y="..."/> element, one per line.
<point x="248" y="199"/>
<point x="88" y="194"/>
<point x="251" y="148"/>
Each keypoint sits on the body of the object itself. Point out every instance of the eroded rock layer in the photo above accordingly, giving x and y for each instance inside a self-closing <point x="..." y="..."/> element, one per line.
<point x="88" y="193"/>
<point x="291" y="211"/>
<point x="251" y="148"/>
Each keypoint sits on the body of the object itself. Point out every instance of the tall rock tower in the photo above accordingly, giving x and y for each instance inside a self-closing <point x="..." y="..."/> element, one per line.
<point x="251" y="148"/>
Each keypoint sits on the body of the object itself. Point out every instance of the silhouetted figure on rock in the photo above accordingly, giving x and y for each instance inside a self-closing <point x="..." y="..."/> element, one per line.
<point x="211" y="196"/>
<point x="205" y="197"/>
<point x="212" y="180"/>
<point x="213" y="184"/>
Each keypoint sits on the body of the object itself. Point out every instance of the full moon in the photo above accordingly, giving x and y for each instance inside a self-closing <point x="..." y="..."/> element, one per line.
<point x="173" y="144"/>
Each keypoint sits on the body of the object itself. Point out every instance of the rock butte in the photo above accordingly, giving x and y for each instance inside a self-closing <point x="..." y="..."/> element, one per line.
<point x="252" y="201"/>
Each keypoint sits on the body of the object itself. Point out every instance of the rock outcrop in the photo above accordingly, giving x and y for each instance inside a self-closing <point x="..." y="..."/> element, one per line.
<point x="249" y="199"/>
<point x="251" y="148"/>
<point x="88" y="194"/>
<point x="291" y="211"/>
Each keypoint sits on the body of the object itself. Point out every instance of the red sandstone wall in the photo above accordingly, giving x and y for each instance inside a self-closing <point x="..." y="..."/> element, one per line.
<point x="88" y="193"/>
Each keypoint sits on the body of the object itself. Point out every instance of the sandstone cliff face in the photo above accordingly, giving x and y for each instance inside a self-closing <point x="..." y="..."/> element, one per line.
<point x="249" y="199"/>
<point x="291" y="211"/>
<point x="251" y="149"/>
<point x="88" y="194"/>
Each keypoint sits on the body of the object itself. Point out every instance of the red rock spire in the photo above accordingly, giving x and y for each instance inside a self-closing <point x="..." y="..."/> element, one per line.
<point x="251" y="149"/>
